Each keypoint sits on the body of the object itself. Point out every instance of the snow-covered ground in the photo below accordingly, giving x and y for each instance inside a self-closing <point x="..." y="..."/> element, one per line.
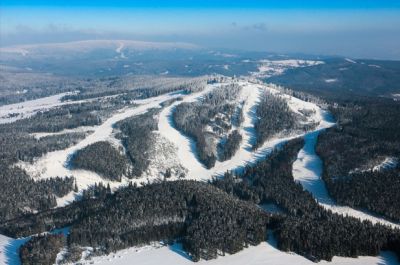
<point x="331" y="80"/>
<point x="350" y="60"/>
<point x="251" y="93"/>
<point x="13" y="112"/>
<point x="9" y="250"/>
<point x="54" y="164"/>
<point x="307" y="169"/>
<point x="268" y="68"/>
<point x="265" y="253"/>
<point x="81" y="129"/>
<point x="387" y="163"/>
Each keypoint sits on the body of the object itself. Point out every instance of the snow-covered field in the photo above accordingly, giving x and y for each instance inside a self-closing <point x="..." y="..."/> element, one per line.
<point x="265" y="253"/>
<point x="9" y="250"/>
<point x="268" y="68"/>
<point x="13" y="112"/>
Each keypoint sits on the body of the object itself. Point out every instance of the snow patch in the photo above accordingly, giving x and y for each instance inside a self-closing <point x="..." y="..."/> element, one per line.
<point x="388" y="163"/>
<point x="350" y="60"/>
<point x="12" y="112"/>
<point x="374" y="65"/>
<point x="268" y="68"/>
<point x="331" y="80"/>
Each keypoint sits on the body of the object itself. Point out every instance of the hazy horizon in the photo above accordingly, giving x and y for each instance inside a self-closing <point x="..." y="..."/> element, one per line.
<point x="359" y="29"/>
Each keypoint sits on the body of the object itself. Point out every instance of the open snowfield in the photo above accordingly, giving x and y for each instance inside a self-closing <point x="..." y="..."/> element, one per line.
<point x="265" y="253"/>
<point x="28" y="108"/>
<point x="268" y="68"/>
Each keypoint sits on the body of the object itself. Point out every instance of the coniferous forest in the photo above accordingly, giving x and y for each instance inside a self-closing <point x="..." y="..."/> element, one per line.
<point x="213" y="218"/>
<point x="151" y="171"/>
<point x="368" y="132"/>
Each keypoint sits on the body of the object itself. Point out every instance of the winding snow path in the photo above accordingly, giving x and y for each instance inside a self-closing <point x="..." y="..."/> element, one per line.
<point x="245" y="155"/>
<point x="307" y="170"/>
<point x="55" y="163"/>
<point x="28" y="108"/>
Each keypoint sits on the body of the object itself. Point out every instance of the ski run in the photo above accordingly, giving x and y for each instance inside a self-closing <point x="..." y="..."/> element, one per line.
<point x="307" y="170"/>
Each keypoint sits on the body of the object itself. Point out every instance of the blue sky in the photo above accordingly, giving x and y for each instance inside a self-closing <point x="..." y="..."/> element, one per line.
<point x="210" y="3"/>
<point x="369" y="29"/>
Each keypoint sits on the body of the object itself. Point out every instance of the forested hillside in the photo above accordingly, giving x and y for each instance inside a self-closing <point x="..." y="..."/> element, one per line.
<point x="207" y="120"/>
<point x="206" y="220"/>
<point x="275" y="118"/>
<point x="210" y="221"/>
<point x="137" y="137"/>
<point x="305" y="227"/>
<point x="102" y="158"/>
<point x="368" y="132"/>
<point x="343" y="78"/>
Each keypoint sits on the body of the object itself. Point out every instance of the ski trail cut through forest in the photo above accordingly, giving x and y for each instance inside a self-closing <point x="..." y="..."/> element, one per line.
<point x="54" y="163"/>
<point x="245" y="155"/>
<point x="307" y="170"/>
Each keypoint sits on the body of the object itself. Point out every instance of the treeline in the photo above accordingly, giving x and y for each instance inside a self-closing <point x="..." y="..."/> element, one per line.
<point x="21" y="146"/>
<point x="206" y="220"/>
<point x="273" y="117"/>
<point x="209" y="221"/>
<point x="305" y="227"/>
<point x="230" y="146"/>
<point x="20" y="194"/>
<point x="139" y="87"/>
<point x="137" y="136"/>
<point x="215" y="110"/>
<point x="41" y="249"/>
<point x="368" y="131"/>
<point x="102" y="158"/>
<point x="58" y="119"/>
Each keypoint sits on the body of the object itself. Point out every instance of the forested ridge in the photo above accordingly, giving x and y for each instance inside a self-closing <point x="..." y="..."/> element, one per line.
<point x="368" y="132"/>
<point x="216" y="111"/>
<point x="102" y="158"/>
<point x="137" y="136"/>
<point x="206" y="220"/>
<point x="305" y="227"/>
<point x="209" y="221"/>
<point x="21" y="194"/>
<point x="41" y="249"/>
<point x="19" y="143"/>
<point x="274" y="117"/>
